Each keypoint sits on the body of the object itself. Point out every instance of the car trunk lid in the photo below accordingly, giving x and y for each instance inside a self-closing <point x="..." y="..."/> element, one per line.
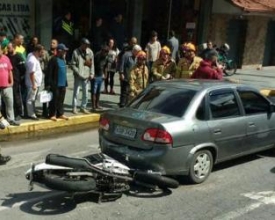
<point x="127" y="127"/>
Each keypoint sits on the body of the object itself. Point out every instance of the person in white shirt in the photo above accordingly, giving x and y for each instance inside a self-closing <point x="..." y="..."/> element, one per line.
<point x="152" y="50"/>
<point x="111" y="66"/>
<point x="33" y="79"/>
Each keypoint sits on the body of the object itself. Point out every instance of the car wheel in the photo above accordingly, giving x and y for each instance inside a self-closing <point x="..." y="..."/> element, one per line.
<point x="201" y="166"/>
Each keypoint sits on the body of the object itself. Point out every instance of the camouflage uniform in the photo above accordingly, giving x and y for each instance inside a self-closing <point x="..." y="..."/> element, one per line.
<point x="160" y="70"/>
<point x="138" y="80"/>
<point x="185" y="68"/>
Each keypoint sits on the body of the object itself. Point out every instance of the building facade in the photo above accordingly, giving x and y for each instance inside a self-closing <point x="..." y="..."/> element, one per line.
<point x="248" y="27"/>
<point x="140" y="17"/>
<point x="17" y="16"/>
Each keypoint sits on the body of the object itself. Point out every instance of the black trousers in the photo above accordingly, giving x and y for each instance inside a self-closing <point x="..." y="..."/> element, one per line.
<point x="124" y="93"/>
<point x="56" y="105"/>
<point x="109" y="80"/>
<point x="17" y="100"/>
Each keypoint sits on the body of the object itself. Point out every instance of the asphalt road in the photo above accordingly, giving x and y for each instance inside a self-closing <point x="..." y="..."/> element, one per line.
<point x="241" y="189"/>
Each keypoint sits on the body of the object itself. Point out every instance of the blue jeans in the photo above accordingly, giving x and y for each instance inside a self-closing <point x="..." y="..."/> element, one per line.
<point x="84" y="86"/>
<point x="96" y="85"/>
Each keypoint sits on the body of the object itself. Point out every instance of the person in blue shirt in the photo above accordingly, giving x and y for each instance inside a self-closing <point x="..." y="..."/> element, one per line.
<point x="56" y="82"/>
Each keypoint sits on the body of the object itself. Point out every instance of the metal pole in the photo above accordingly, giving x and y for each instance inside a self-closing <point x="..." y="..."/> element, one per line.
<point x="169" y="18"/>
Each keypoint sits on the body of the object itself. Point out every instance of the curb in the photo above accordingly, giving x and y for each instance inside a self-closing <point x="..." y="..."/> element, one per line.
<point x="42" y="126"/>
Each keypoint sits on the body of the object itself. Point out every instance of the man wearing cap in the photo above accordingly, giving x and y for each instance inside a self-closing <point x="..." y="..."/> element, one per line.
<point x="56" y="82"/>
<point x="139" y="76"/>
<point x="209" y="68"/>
<point x="33" y="79"/>
<point x="188" y="63"/>
<point x="128" y="61"/>
<point x="164" y="68"/>
<point x="4" y="41"/>
<point x="83" y="70"/>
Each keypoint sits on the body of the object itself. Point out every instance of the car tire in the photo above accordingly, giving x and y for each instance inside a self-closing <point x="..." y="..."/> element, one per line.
<point x="70" y="185"/>
<point x="162" y="182"/>
<point x="201" y="166"/>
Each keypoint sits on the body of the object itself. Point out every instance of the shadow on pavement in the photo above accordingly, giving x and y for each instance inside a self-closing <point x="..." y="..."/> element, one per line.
<point x="48" y="203"/>
<point x="40" y="203"/>
<point x="143" y="192"/>
<point x="242" y="160"/>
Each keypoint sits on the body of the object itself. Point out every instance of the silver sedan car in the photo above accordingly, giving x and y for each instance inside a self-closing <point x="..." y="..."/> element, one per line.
<point x="183" y="127"/>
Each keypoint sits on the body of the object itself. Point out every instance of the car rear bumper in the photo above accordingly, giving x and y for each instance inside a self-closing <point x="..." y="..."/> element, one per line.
<point x="167" y="161"/>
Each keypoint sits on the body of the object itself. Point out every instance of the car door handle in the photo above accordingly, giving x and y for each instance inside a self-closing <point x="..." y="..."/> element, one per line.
<point x="217" y="131"/>
<point x="251" y="124"/>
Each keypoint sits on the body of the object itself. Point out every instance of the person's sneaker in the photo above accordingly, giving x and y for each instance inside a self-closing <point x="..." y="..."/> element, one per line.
<point x="64" y="117"/>
<point x="34" y="117"/>
<point x="85" y="111"/>
<point x="18" y="118"/>
<point x="99" y="107"/>
<point x="4" y="123"/>
<point x="53" y="118"/>
<point x="74" y="111"/>
<point x="14" y="123"/>
<point x="4" y="159"/>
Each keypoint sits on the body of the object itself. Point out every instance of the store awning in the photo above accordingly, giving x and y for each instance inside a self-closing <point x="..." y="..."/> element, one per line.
<point x="256" y="5"/>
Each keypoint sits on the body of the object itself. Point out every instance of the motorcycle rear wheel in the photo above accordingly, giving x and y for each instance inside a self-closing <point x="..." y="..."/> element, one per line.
<point x="230" y="68"/>
<point x="64" y="183"/>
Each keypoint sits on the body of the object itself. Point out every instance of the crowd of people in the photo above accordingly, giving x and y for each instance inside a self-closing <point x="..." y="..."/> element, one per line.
<point x="27" y="69"/>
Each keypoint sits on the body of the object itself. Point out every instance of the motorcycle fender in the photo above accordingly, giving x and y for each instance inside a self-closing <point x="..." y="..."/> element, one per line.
<point x="44" y="166"/>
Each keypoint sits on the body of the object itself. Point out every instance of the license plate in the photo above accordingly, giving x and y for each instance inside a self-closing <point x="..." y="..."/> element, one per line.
<point x="125" y="131"/>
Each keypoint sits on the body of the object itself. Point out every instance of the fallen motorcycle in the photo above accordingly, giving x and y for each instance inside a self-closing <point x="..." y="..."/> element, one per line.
<point x="96" y="173"/>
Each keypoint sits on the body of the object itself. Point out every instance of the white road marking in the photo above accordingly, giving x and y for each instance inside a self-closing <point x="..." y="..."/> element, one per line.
<point x="262" y="198"/>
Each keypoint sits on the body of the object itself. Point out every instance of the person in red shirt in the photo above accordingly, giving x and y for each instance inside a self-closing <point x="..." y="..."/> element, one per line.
<point x="6" y="90"/>
<point x="209" y="68"/>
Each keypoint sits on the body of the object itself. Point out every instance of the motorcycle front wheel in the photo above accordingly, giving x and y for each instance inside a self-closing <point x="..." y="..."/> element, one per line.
<point x="230" y="68"/>
<point x="69" y="184"/>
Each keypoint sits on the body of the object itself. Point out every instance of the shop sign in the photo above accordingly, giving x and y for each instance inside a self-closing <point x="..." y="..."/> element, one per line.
<point x="15" y="16"/>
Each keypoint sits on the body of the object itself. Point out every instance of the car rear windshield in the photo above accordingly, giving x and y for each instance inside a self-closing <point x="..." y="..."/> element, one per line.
<point x="165" y="100"/>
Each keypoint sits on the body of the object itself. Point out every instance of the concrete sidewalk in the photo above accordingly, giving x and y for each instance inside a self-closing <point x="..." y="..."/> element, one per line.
<point x="31" y="127"/>
<point x="107" y="102"/>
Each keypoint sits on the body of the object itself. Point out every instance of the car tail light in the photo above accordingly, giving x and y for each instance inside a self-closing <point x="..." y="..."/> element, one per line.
<point x="104" y="124"/>
<point x="158" y="136"/>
